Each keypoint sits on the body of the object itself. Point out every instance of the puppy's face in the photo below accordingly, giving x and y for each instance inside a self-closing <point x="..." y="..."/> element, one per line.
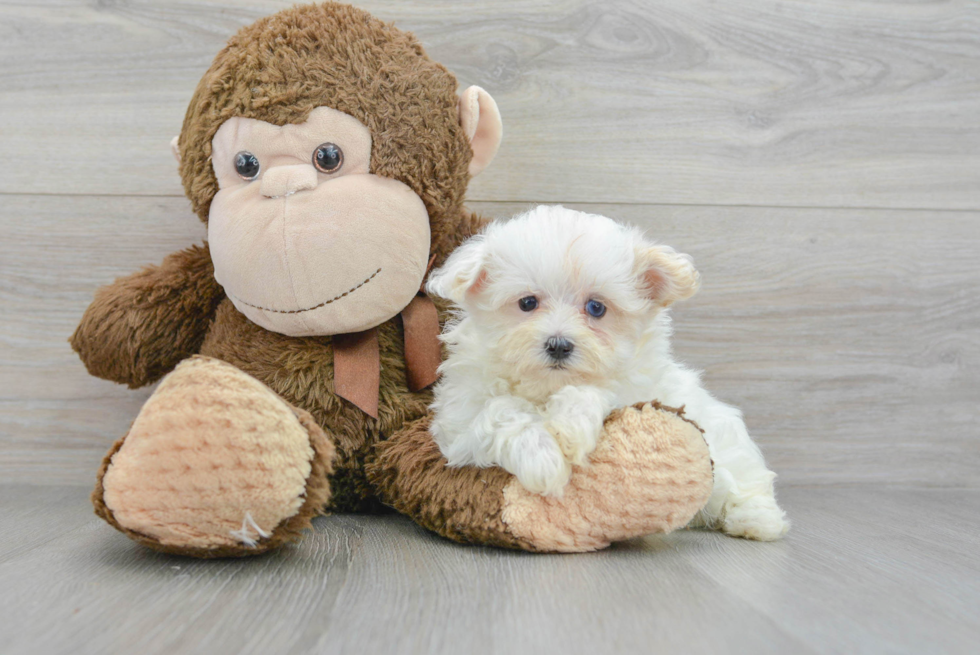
<point x="561" y="297"/>
<point x="546" y="336"/>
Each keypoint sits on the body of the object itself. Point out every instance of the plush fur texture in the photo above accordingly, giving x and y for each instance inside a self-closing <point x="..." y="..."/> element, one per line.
<point x="651" y="473"/>
<point x="600" y="289"/>
<point x="278" y="70"/>
<point x="140" y="327"/>
<point x="215" y="465"/>
<point x="462" y="504"/>
<point x="300" y="369"/>
<point x="203" y="438"/>
<point x="281" y="67"/>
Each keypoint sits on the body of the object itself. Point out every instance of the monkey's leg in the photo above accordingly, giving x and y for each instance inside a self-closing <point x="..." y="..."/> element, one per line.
<point x="215" y="465"/>
<point x="650" y="473"/>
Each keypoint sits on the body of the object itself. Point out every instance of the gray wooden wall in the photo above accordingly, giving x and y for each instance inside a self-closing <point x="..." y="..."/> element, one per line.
<point x="820" y="160"/>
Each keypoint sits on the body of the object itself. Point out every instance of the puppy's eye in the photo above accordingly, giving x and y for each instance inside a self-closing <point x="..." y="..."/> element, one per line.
<point x="595" y="309"/>
<point x="247" y="165"/>
<point x="328" y="158"/>
<point x="528" y="303"/>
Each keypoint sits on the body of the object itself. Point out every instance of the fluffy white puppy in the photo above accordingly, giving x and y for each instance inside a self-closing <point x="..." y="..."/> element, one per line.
<point x="561" y="318"/>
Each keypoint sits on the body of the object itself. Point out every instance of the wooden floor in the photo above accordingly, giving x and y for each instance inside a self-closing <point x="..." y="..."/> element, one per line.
<point x="890" y="569"/>
<point x="820" y="160"/>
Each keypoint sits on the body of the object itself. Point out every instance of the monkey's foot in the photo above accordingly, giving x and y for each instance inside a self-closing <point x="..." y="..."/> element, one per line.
<point x="650" y="473"/>
<point x="215" y="465"/>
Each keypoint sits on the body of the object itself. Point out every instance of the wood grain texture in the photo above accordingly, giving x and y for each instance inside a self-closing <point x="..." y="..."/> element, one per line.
<point x="750" y="102"/>
<point x="850" y="338"/>
<point x="866" y="569"/>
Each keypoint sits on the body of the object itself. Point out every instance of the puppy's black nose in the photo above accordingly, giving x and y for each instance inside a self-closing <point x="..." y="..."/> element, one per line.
<point x="559" y="348"/>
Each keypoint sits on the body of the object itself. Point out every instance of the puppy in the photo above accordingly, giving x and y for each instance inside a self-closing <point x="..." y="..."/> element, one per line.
<point x="562" y="317"/>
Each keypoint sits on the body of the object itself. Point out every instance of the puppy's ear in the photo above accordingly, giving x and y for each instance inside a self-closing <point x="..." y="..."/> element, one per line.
<point x="665" y="275"/>
<point x="463" y="273"/>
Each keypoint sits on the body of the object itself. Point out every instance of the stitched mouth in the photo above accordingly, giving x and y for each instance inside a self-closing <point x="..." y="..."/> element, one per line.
<point x="310" y="309"/>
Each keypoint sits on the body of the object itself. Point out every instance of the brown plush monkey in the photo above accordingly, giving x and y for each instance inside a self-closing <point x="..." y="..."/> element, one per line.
<point x="329" y="157"/>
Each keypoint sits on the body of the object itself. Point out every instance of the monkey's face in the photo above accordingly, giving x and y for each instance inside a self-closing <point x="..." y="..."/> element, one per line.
<point x="304" y="238"/>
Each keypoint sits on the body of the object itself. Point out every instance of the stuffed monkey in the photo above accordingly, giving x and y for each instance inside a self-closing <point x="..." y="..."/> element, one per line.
<point x="329" y="157"/>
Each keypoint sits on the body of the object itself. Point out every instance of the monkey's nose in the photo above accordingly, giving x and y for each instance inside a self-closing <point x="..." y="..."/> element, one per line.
<point x="281" y="181"/>
<point x="559" y="348"/>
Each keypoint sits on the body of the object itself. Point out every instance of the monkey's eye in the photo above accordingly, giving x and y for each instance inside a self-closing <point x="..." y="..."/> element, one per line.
<point x="595" y="309"/>
<point x="528" y="303"/>
<point x="247" y="165"/>
<point x="328" y="158"/>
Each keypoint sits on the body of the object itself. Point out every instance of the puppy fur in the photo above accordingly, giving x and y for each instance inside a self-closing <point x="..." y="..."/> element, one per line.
<point x="506" y="398"/>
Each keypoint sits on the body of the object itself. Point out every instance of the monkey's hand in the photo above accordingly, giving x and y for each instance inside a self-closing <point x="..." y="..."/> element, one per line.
<point x="141" y="326"/>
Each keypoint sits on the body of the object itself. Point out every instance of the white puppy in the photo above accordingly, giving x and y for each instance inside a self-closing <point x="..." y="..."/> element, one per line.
<point x="562" y="317"/>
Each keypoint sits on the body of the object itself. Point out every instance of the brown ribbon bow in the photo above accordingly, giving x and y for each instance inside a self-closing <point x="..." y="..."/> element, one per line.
<point x="357" y="357"/>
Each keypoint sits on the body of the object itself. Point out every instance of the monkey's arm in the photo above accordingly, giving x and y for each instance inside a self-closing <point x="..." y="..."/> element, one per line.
<point x="141" y="326"/>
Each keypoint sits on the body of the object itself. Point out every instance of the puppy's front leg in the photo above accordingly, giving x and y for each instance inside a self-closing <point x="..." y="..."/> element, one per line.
<point x="519" y="441"/>
<point x="743" y="503"/>
<point x="575" y="415"/>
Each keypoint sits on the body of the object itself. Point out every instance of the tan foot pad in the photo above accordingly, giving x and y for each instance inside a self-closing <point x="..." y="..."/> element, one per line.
<point x="215" y="465"/>
<point x="650" y="473"/>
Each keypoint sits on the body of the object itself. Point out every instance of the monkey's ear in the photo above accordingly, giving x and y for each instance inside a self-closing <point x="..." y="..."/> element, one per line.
<point x="175" y="148"/>
<point x="480" y="120"/>
<point x="665" y="275"/>
<point x="463" y="273"/>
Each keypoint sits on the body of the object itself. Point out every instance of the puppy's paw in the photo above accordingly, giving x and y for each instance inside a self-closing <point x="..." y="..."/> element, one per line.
<point x="576" y="444"/>
<point x="538" y="463"/>
<point x="755" y="517"/>
<point x="575" y="416"/>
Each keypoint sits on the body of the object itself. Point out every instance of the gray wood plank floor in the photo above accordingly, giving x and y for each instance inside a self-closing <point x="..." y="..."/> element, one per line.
<point x="820" y="160"/>
<point x="870" y="570"/>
